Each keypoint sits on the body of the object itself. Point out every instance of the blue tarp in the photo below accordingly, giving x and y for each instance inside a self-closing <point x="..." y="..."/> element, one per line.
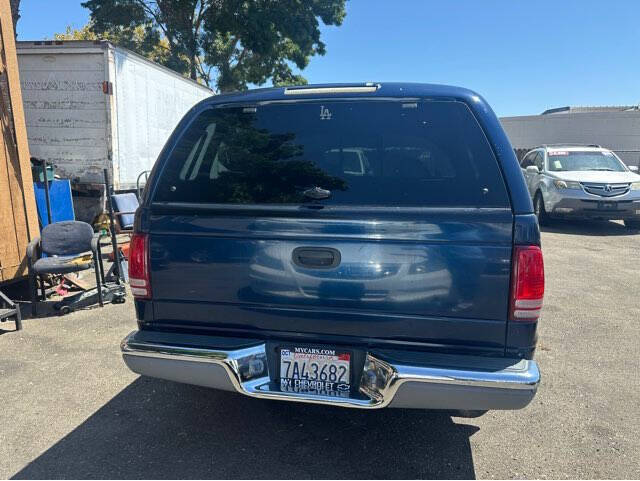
<point x="60" y="198"/>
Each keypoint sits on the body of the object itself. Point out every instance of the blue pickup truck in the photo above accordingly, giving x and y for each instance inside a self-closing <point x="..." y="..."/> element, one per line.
<point x="358" y="245"/>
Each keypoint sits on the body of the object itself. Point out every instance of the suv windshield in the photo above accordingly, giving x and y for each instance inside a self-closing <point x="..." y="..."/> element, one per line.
<point x="584" y="160"/>
<point x="362" y="152"/>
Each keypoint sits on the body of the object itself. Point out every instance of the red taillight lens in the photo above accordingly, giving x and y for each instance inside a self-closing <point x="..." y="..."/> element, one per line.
<point x="527" y="284"/>
<point x="139" y="278"/>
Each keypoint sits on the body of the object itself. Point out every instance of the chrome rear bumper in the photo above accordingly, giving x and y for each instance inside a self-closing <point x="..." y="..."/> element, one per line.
<point x="511" y="385"/>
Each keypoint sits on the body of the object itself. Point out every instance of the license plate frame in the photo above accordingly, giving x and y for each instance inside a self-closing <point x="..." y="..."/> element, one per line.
<point x="310" y="385"/>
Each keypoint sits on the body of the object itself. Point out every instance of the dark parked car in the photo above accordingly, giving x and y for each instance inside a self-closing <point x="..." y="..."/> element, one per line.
<point x="359" y="245"/>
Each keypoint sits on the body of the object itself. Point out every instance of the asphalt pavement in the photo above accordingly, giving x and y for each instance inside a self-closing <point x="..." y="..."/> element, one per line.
<point x="69" y="408"/>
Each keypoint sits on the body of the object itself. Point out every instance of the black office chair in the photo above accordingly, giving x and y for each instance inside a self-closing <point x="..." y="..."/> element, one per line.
<point x="64" y="243"/>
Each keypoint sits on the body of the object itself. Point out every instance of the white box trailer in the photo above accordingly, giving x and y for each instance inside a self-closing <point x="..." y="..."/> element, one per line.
<point x="92" y="105"/>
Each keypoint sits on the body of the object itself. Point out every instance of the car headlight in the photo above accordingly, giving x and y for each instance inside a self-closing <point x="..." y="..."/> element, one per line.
<point x="566" y="184"/>
<point x="635" y="186"/>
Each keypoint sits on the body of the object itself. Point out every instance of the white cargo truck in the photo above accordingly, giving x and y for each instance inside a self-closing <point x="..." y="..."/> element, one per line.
<point x="93" y="105"/>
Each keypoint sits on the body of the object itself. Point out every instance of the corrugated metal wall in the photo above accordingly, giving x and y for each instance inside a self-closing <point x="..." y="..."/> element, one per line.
<point x="618" y="131"/>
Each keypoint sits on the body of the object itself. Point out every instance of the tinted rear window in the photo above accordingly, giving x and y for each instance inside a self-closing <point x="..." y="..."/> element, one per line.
<point x="364" y="153"/>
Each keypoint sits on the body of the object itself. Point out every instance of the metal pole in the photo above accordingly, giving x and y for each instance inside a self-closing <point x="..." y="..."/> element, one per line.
<point x="112" y="227"/>
<point x="46" y="190"/>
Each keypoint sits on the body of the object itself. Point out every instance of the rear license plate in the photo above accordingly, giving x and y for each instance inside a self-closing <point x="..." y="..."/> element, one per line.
<point x="607" y="205"/>
<point x="319" y="371"/>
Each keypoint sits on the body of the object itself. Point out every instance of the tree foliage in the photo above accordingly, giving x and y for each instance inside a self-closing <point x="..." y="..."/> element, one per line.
<point x="15" y="13"/>
<point x="225" y="43"/>
<point x="132" y="38"/>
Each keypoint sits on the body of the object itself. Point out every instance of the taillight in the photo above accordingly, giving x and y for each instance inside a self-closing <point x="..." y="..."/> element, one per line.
<point x="527" y="284"/>
<point x="139" y="278"/>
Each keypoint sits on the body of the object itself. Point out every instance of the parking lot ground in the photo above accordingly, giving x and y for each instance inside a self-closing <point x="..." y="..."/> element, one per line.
<point x="69" y="408"/>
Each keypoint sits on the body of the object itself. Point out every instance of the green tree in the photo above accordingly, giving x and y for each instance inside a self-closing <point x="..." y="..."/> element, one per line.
<point x="133" y="38"/>
<point x="226" y="43"/>
<point x="15" y="13"/>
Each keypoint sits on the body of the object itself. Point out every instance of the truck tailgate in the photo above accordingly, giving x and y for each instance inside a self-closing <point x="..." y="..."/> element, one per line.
<point x="437" y="276"/>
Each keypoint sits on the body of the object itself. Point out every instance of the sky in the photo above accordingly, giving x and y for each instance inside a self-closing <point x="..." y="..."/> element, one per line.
<point x="522" y="56"/>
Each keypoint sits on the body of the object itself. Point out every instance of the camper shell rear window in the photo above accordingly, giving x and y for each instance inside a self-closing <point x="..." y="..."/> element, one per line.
<point x="366" y="153"/>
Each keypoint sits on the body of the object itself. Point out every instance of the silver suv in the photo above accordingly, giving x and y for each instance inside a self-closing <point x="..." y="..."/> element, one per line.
<point x="586" y="182"/>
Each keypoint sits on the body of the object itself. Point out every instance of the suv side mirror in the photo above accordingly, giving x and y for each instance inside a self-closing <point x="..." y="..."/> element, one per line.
<point x="633" y="168"/>
<point x="533" y="169"/>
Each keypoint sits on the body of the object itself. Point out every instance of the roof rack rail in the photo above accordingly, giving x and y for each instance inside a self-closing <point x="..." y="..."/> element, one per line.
<point x="569" y="144"/>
